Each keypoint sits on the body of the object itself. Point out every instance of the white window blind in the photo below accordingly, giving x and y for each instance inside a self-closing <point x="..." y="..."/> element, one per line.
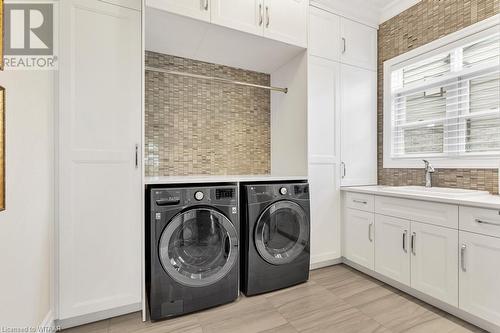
<point x="448" y="105"/>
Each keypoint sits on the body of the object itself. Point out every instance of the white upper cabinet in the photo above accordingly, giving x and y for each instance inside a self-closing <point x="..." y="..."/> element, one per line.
<point x="358" y="44"/>
<point x="286" y="21"/>
<point x="244" y="15"/>
<point x="281" y="20"/>
<point x="479" y="276"/>
<point x="197" y="9"/>
<point x="358" y="126"/>
<point x="434" y="261"/>
<point x="324" y="34"/>
<point x="100" y="180"/>
<point x="392" y="248"/>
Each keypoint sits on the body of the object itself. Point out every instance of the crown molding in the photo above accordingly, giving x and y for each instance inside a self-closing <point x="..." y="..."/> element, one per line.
<point x="361" y="11"/>
<point x="395" y="8"/>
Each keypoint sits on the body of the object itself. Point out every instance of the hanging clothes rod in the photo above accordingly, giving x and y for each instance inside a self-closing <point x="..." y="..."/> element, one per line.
<point x="218" y="79"/>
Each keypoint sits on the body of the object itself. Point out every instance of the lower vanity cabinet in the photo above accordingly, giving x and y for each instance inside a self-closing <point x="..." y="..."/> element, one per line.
<point x="444" y="251"/>
<point x="392" y="254"/>
<point x="434" y="261"/>
<point x="480" y="276"/>
<point x="419" y="255"/>
<point x="359" y="236"/>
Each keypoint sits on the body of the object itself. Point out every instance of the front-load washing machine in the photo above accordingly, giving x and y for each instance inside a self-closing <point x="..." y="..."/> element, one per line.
<point x="275" y="236"/>
<point x="191" y="249"/>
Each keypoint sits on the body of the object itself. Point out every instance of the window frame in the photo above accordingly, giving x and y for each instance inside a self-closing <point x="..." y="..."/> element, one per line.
<point x="442" y="45"/>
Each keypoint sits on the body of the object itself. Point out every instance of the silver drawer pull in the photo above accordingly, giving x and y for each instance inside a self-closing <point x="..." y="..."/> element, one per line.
<point x="413" y="237"/>
<point x="487" y="222"/>
<point x="405" y="235"/>
<point x="462" y="257"/>
<point x="360" y="201"/>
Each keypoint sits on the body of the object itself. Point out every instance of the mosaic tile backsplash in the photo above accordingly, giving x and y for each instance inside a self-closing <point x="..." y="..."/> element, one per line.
<point x="423" y="23"/>
<point x="200" y="127"/>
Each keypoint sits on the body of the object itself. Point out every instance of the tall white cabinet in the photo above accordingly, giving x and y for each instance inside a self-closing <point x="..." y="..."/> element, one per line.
<point x="342" y="122"/>
<point x="99" y="148"/>
<point x="324" y="151"/>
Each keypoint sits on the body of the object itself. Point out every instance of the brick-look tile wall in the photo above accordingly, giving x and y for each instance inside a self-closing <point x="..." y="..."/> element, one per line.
<point x="423" y="23"/>
<point x="200" y="127"/>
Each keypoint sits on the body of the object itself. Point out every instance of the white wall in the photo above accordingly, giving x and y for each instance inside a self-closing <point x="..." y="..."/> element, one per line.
<point x="289" y="119"/>
<point x="27" y="223"/>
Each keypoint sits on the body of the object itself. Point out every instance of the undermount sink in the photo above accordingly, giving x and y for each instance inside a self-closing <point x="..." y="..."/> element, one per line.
<point x="435" y="191"/>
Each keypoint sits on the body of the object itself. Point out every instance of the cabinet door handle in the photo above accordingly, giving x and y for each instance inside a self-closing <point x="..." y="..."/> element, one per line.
<point x="205" y="4"/>
<point x="370" y="232"/>
<point x="462" y="257"/>
<point x="405" y="235"/>
<point x="344" y="45"/>
<point x="261" y="15"/>
<point x="268" y="17"/>
<point x="413" y="238"/>
<point x="359" y="201"/>
<point x="487" y="222"/>
<point x="137" y="156"/>
<point x="344" y="169"/>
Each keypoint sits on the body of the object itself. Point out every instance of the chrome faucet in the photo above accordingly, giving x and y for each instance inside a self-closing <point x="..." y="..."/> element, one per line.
<point x="429" y="170"/>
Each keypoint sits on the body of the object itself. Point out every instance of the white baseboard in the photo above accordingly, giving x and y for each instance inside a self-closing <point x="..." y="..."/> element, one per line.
<point x="490" y="327"/>
<point x="48" y="321"/>
<point x="97" y="316"/>
<point x="324" y="263"/>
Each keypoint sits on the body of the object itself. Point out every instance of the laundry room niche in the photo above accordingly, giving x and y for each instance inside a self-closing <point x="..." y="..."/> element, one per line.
<point x="195" y="126"/>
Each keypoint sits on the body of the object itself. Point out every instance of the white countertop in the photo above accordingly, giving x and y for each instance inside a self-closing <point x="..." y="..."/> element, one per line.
<point x="481" y="200"/>
<point x="218" y="179"/>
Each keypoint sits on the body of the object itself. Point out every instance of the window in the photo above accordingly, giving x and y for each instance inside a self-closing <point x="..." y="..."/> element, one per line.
<point x="442" y="101"/>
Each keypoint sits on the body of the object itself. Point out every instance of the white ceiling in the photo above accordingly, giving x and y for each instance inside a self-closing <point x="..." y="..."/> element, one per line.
<point x="370" y="12"/>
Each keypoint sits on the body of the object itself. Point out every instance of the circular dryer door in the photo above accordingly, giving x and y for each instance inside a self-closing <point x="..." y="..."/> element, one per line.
<point x="198" y="247"/>
<point x="282" y="232"/>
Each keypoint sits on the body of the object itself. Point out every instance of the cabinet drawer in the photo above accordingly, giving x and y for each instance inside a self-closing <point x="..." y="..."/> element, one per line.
<point x="480" y="220"/>
<point x="360" y="201"/>
<point x="421" y="211"/>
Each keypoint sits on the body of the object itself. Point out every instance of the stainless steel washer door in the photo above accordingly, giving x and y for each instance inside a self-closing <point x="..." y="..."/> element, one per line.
<point x="281" y="232"/>
<point x="198" y="247"/>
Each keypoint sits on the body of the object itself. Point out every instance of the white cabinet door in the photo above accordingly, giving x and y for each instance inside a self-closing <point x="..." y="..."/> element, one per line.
<point x="324" y="34"/>
<point x="99" y="208"/>
<point x="323" y="117"/>
<point x="286" y="21"/>
<point x="197" y="9"/>
<point x="359" y="44"/>
<point x="480" y="276"/>
<point x="325" y="212"/>
<point x="244" y="15"/>
<point x="434" y="261"/>
<point x="392" y="255"/>
<point x="359" y="236"/>
<point x="358" y="126"/>
<point x="324" y="160"/>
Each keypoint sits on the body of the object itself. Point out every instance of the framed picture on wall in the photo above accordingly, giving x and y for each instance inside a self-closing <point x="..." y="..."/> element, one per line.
<point x="2" y="148"/>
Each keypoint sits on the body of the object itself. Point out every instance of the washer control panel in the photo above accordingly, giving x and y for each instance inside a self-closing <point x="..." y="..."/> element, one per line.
<point x="198" y="195"/>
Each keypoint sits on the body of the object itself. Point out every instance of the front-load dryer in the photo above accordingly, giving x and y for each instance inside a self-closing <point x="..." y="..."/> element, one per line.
<point x="191" y="249"/>
<point x="275" y="236"/>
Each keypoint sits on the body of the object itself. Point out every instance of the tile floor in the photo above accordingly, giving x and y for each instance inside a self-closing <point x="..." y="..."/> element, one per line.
<point x="336" y="299"/>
